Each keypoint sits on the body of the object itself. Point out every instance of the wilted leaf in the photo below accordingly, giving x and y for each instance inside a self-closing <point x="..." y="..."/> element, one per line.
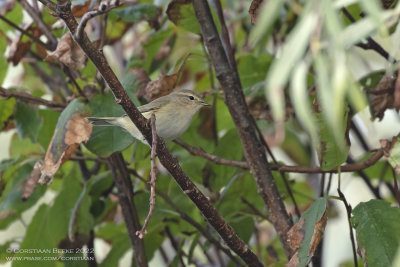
<point x="32" y="181"/>
<point x="78" y="10"/>
<point x="254" y="9"/>
<point x="391" y="151"/>
<point x="306" y="234"/>
<point x="18" y="50"/>
<point x="378" y="231"/>
<point x="382" y="98"/>
<point x="68" y="53"/>
<point x="72" y="129"/>
<point x="161" y="86"/>
<point x="181" y="13"/>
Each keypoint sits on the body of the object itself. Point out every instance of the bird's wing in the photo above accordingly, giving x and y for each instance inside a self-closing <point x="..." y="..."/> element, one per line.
<point x="146" y="109"/>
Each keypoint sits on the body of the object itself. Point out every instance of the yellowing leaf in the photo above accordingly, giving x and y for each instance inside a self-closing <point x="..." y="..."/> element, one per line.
<point x="72" y="129"/>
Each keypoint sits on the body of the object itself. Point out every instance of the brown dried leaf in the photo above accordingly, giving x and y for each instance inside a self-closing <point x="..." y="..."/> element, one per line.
<point x="254" y="9"/>
<point x="32" y="181"/>
<point x="77" y="130"/>
<point x="299" y="239"/>
<point x="296" y="234"/>
<point x="80" y="10"/>
<point x="18" y="50"/>
<point x="161" y="86"/>
<point x="385" y="100"/>
<point x="68" y="53"/>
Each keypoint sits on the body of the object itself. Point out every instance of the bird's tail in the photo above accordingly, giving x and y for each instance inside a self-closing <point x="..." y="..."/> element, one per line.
<point x="104" y="121"/>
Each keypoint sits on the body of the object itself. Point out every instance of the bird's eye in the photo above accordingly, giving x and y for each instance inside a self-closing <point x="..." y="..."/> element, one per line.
<point x="191" y="97"/>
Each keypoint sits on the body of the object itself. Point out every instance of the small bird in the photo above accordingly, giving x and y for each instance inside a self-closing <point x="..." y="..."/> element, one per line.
<point x="174" y="113"/>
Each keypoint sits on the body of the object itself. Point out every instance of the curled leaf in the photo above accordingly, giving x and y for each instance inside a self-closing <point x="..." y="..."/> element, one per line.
<point x="32" y="181"/>
<point x="383" y="98"/>
<point x="68" y="53"/>
<point x="72" y="129"/>
<point x="306" y="234"/>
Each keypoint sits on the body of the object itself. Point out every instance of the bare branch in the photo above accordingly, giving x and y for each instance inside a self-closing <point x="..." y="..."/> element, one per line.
<point x="153" y="176"/>
<point x="31" y="99"/>
<point x="125" y="195"/>
<point x="196" y="151"/>
<point x="253" y="150"/>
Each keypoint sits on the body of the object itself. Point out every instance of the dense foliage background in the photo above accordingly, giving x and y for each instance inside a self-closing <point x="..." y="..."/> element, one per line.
<point x="81" y="193"/>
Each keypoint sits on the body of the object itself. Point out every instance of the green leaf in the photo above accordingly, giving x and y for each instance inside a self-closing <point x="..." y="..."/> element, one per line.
<point x="11" y="203"/>
<point x="181" y="13"/>
<point x="27" y="121"/>
<point x="331" y="154"/>
<point x="152" y="48"/>
<point x="137" y="12"/>
<point x="6" y="110"/>
<point x="119" y="238"/>
<point x="49" y="226"/>
<point x="50" y="118"/>
<point x="15" y="16"/>
<point x="106" y="140"/>
<point x="252" y="69"/>
<point x="378" y="231"/>
<point x="268" y="13"/>
<point x="293" y="49"/>
<point x="23" y="147"/>
<point x="313" y="223"/>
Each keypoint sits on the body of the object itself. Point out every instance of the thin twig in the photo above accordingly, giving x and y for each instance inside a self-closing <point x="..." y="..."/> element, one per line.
<point x="125" y="195"/>
<point x="103" y="8"/>
<point x="190" y="220"/>
<point x="348" y="210"/>
<point x="196" y="151"/>
<point x="153" y="176"/>
<point x="34" y="38"/>
<point x="282" y="174"/>
<point x="371" y="44"/>
<point x="31" y="99"/>
<point x="52" y="41"/>
<point x="225" y="35"/>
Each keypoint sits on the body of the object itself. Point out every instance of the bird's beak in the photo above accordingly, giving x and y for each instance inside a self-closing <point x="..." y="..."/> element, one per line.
<point x="204" y="103"/>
